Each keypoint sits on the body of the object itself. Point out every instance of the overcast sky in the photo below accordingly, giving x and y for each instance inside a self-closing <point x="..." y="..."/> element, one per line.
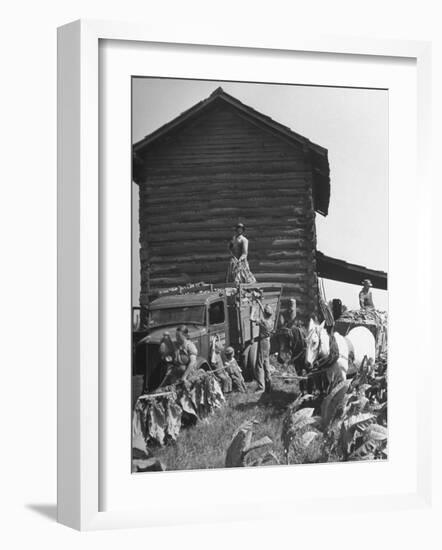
<point x="351" y="123"/>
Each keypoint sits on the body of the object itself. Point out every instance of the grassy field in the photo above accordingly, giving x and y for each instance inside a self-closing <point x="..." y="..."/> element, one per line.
<point x="352" y="424"/>
<point x="204" y="445"/>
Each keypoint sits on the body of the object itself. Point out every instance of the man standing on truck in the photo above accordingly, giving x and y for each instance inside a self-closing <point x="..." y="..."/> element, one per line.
<point x="262" y="373"/>
<point x="239" y="270"/>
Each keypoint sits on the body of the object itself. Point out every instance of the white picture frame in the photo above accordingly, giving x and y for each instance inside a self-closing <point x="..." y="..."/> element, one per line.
<point x="80" y="271"/>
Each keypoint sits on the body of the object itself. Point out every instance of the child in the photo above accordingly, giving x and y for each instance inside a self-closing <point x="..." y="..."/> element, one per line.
<point x="234" y="371"/>
<point x="217" y="366"/>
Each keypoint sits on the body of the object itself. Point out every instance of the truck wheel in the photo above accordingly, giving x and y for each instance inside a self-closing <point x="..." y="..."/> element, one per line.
<point x="245" y="362"/>
<point x="249" y="356"/>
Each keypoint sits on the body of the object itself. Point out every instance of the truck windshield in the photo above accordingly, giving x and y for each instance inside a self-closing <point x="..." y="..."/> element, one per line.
<point x="193" y="315"/>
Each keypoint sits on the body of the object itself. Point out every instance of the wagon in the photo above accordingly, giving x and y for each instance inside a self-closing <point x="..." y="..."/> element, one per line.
<point x="375" y="320"/>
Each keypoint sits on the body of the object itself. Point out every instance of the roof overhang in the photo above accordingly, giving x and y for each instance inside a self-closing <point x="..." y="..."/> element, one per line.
<point x="339" y="270"/>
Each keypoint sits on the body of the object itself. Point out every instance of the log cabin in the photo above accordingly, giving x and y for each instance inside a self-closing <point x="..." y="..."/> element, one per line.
<point x="219" y="163"/>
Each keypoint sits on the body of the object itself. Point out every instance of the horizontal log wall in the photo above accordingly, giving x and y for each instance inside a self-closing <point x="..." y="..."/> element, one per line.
<point x="197" y="183"/>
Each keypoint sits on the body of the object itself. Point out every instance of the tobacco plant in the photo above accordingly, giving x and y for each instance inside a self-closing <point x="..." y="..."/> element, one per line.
<point x="352" y="424"/>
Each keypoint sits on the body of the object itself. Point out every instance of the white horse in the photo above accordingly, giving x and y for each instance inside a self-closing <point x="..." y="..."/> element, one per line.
<point x="357" y="346"/>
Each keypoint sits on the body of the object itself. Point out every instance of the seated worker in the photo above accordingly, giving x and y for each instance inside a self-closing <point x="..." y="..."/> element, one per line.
<point x="365" y="296"/>
<point x="179" y="356"/>
<point x="217" y="366"/>
<point x="234" y="371"/>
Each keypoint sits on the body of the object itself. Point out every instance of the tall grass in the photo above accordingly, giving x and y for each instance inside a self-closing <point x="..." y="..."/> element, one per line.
<point x="204" y="445"/>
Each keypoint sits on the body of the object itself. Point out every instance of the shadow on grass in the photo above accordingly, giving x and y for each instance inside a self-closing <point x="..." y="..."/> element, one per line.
<point x="278" y="400"/>
<point x="275" y="403"/>
<point x="247" y="406"/>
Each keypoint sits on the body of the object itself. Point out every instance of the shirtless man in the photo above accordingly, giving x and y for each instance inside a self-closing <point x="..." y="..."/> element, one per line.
<point x="239" y="270"/>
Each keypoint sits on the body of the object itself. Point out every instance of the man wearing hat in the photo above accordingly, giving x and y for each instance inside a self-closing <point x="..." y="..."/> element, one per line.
<point x="288" y="319"/>
<point x="239" y="270"/>
<point x="290" y="334"/>
<point x="262" y="369"/>
<point x="234" y="370"/>
<point x="365" y="296"/>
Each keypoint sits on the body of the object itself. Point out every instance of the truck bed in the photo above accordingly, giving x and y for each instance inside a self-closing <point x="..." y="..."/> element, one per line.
<point x="243" y="307"/>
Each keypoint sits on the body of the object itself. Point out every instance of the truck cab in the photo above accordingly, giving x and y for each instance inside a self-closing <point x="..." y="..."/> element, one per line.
<point x="226" y="313"/>
<point x="204" y="314"/>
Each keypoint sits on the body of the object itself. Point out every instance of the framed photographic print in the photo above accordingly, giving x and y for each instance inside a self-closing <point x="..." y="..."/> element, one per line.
<point x="231" y="274"/>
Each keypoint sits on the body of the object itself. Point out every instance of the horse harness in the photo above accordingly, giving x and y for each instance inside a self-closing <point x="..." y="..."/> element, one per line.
<point x="334" y="355"/>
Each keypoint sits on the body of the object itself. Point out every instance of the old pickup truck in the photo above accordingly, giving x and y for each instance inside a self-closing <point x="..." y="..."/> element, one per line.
<point x="224" y="312"/>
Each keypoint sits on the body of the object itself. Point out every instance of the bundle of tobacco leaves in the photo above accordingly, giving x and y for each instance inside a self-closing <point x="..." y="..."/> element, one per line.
<point x="157" y="416"/>
<point x="372" y="318"/>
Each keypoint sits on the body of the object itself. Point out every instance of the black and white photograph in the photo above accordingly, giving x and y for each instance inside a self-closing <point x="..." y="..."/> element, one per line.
<point x="259" y="274"/>
<point x="220" y="275"/>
